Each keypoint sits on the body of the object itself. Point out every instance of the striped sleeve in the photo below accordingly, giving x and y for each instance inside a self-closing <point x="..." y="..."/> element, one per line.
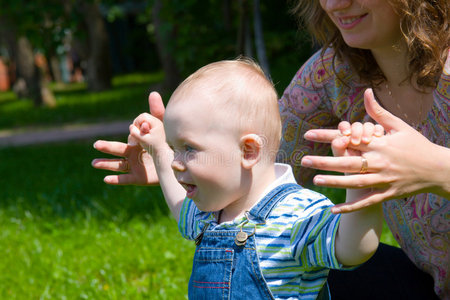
<point x="187" y="225"/>
<point x="313" y="237"/>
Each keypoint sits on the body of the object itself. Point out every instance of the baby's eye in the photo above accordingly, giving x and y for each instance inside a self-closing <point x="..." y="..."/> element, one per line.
<point x="189" y="148"/>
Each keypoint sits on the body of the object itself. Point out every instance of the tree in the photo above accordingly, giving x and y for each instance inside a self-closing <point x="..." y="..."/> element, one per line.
<point x="245" y="38"/>
<point x="99" y="70"/>
<point x="259" y="39"/>
<point x="32" y="75"/>
<point x="23" y="26"/>
<point x="163" y="36"/>
<point x="30" y="82"/>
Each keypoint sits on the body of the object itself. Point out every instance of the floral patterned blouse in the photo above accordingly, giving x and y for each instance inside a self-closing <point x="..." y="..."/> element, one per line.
<point x="316" y="98"/>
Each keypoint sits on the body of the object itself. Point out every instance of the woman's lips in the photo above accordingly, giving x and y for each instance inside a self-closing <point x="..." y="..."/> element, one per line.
<point x="350" y="22"/>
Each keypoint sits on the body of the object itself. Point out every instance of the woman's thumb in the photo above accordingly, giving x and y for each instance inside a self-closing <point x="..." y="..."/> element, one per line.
<point x="156" y="105"/>
<point x="379" y="114"/>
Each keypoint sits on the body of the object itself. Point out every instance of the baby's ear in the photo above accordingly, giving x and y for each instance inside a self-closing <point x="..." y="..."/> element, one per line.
<point x="251" y="145"/>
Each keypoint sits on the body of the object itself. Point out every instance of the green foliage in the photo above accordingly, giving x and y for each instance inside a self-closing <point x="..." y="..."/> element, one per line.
<point x="124" y="101"/>
<point x="200" y="32"/>
<point x="38" y="19"/>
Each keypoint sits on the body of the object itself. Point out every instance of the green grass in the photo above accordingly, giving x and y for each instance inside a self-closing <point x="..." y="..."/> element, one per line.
<point x="67" y="235"/>
<point x="124" y="101"/>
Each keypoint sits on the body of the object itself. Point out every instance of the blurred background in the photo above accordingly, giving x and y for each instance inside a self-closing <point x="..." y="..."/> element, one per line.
<point x="67" y="66"/>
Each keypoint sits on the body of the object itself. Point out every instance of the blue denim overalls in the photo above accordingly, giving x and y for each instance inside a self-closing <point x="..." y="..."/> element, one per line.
<point x="223" y="269"/>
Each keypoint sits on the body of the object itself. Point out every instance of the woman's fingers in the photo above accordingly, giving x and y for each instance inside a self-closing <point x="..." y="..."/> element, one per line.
<point x="156" y="105"/>
<point x="390" y="122"/>
<point x="353" y="181"/>
<point x="115" y="165"/>
<point x="344" y="164"/>
<point x="113" y="148"/>
<point x="122" y="179"/>
<point x="322" y="135"/>
<point x="374" y="197"/>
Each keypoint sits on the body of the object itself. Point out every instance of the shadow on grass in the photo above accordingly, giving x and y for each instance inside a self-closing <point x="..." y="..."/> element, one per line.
<point x="57" y="181"/>
<point x="125" y="100"/>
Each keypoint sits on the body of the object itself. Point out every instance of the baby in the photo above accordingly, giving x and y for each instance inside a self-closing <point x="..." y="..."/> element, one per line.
<point x="259" y="235"/>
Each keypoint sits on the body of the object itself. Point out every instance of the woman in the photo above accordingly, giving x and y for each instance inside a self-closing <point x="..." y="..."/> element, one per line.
<point x="398" y="48"/>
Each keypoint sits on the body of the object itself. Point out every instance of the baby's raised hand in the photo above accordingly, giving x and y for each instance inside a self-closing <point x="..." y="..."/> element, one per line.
<point x="353" y="135"/>
<point x="360" y="133"/>
<point x="148" y="131"/>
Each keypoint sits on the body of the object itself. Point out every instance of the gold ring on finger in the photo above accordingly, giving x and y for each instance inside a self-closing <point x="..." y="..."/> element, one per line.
<point x="140" y="158"/>
<point x="364" y="166"/>
<point x="126" y="166"/>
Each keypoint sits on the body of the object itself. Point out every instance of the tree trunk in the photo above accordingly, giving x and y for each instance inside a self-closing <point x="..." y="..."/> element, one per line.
<point x="53" y="66"/>
<point x="259" y="38"/>
<point x="172" y="74"/>
<point x="244" y="42"/>
<point x="98" y="73"/>
<point x="30" y="80"/>
<point x="227" y="17"/>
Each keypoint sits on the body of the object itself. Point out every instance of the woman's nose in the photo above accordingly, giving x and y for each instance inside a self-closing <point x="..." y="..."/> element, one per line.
<point x="331" y="5"/>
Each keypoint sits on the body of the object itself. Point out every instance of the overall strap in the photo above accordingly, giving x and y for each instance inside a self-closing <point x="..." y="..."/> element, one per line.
<point x="262" y="210"/>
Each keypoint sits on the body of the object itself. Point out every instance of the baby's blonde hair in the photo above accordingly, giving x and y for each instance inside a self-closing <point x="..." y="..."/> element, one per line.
<point x="240" y="90"/>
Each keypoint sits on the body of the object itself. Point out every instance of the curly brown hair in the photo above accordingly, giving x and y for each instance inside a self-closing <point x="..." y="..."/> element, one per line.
<point x="423" y="23"/>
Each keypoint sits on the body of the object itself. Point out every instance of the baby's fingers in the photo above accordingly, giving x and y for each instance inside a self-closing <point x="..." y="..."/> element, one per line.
<point x="145" y="127"/>
<point x="357" y="132"/>
<point x="368" y="131"/>
<point x="379" y="130"/>
<point x="345" y="128"/>
<point x="136" y="133"/>
<point x="142" y="118"/>
<point x="339" y="145"/>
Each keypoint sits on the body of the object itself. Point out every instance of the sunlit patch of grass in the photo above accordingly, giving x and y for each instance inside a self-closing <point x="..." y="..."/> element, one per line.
<point x="75" y="104"/>
<point x="67" y="235"/>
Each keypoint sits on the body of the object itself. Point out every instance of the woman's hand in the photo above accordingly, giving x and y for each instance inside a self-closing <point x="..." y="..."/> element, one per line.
<point x="399" y="164"/>
<point x="135" y="162"/>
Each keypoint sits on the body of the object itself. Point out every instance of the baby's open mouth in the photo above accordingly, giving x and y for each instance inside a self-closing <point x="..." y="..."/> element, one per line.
<point x="191" y="189"/>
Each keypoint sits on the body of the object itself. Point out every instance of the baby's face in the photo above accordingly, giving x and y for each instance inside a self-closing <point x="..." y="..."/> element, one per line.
<point x="207" y="160"/>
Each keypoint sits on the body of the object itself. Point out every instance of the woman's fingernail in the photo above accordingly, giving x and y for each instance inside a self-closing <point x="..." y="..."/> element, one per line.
<point x="319" y="180"/>
<point x="306" y="162"/>
<point x="310" y="135"/>
<point x="356" y="142"/>
<point x="335" y="210"/>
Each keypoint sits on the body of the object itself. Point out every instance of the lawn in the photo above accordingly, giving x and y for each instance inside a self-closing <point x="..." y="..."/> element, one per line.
<point x="76" y="105"/>
<point x="67" y="235"/>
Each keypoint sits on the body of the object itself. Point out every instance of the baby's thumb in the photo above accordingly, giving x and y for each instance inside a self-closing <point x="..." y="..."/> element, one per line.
<point x="381" y="115"/>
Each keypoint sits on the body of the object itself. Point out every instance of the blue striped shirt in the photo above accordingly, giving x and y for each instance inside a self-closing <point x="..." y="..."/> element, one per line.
<point x="296" y="244"/>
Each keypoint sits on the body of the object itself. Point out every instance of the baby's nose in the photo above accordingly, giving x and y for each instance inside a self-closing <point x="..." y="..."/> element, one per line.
<point x="178" y="166"/>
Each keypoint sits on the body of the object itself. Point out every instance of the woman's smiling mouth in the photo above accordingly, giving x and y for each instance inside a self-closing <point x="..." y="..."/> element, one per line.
<point x="350" y="22"/>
